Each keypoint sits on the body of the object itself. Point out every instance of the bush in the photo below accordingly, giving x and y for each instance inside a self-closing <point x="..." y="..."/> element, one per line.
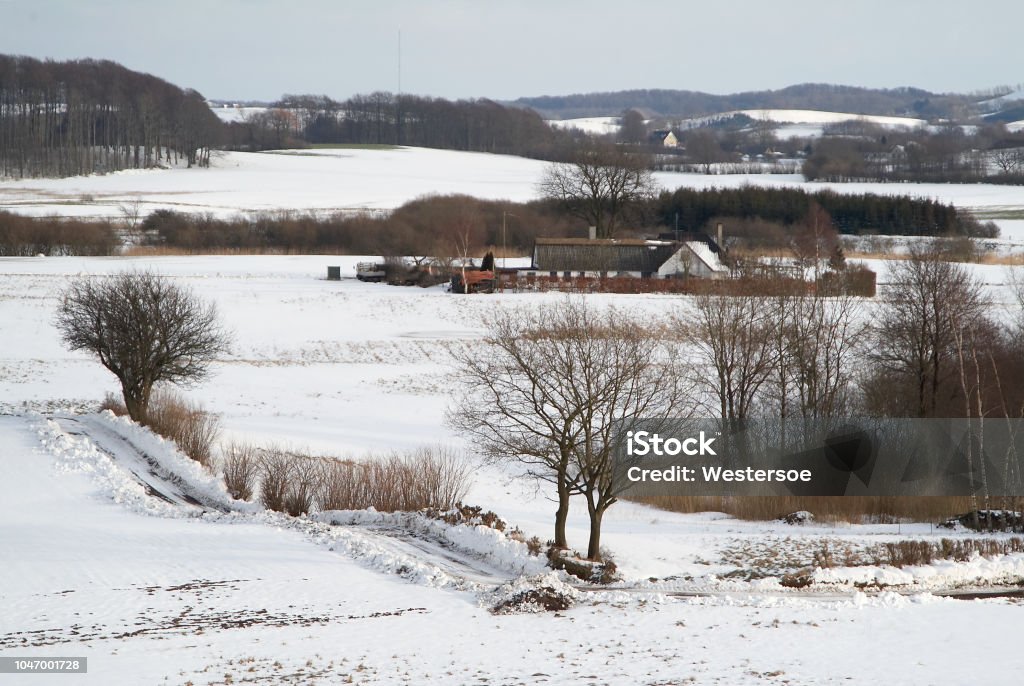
<point x="114" y="404"/>
<point x="191" y="427"/>
<point x="428" y="477"/>
<point x="915" y="553"/>
<point x="275" y="474"/>
<point x="240" y="466"/>
<point x="304" y="483"/>
<point x="28" y="236"/>
<point x="425" y="478"/>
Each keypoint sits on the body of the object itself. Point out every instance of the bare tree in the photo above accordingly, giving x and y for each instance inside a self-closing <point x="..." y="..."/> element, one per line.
<point x="599" y="185"/>
<point x="732" y="338"/>
<point x="632" y="128"/>
<point x="914" y="334"/>
<point x="821" y="340"/>
<point x="131" y="212"/>
<point x="549" y="388"/>
<point x="1009" y="160"/>
<point x="703" y="148"/>
<point x="143" y="328"/>
<point x="815" y="241"/>
<point x="1016" y="279"/>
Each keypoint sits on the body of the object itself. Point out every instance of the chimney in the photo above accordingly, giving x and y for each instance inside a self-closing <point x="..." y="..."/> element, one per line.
<point x="720" y="237"/>
<point x="593" y="233"/>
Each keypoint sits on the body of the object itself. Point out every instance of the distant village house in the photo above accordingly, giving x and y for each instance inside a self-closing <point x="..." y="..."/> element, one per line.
<point x="664" y="138"/>
<point x="626" y="257"/>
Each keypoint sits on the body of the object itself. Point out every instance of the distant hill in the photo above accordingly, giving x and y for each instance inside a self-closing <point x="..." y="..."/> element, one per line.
<point x="912" y="102"/>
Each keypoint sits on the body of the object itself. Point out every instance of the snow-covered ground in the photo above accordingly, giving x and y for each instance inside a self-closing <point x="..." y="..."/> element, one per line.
<point x="995" y="103"/>
<point x="374" y="180"/>
<point x="154" y="592"/>
<point x="805" y="123"/>
<point x="822" y="117"/>
<point x="791" y="123"/>
<point x="307" y="181"/>
<point x="233" y="114"/>
<point x="597" y="126"/>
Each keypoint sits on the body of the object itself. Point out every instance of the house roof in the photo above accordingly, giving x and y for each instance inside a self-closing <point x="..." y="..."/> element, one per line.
<point x="601" y="255"/>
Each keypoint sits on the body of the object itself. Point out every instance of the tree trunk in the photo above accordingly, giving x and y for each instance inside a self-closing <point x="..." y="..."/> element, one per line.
<point x="134" y="407"/>
<point x="137" y="404"/>
<point x="562" y="516"/>
<point x="594" y="545"/>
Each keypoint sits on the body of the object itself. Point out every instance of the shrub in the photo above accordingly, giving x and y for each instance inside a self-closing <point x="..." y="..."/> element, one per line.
<point x="473" y="515"/>
<point x="428" y="477"/>
<point x="275" y="474"/>
<point x="305" y="477"/>
<point x="240" y="467"/>
<point x="915" y="553"/>
<point x="431" y="478"/>
<point x="191" y="427"/>
<point x="114" y="404"/>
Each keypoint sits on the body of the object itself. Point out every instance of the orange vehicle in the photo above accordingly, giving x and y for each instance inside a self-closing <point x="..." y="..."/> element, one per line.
<point x="473" y="281"/>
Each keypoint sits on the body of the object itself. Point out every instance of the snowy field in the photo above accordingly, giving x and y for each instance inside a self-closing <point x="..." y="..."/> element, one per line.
<point x="595" y="126"/>
<point x="374" y="180"/>
<point x="156" y="593"/>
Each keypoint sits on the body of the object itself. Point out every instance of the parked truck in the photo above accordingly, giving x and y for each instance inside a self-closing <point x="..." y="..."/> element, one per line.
<point x="371" y="271"/>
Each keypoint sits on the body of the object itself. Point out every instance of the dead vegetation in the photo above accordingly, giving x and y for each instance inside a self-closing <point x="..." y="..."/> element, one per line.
<point x="185" y="422"/>
<point x="914" y="553"/>
<point x="192" y="428"/>
<point x="853" y="509"/>
<point x="433" y="478"/>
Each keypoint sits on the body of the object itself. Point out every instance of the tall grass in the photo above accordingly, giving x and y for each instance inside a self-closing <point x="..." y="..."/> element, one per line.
<point x="428" y="477"/>
<point x="186" y="423"/>
<point x="295" y="482"/>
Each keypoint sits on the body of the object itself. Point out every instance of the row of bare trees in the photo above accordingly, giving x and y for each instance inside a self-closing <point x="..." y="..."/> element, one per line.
<point x="87" y="116"/>
<point x="950" y="154"/>
<point x="550" y="386"/>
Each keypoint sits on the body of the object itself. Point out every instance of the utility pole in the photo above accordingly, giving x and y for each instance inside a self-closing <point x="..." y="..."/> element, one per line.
<point x="398" y="98"/>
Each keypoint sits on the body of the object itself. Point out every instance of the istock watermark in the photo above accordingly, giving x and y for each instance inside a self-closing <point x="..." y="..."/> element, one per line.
<point x="827" y="457"/>
<point x="641" y="443"/>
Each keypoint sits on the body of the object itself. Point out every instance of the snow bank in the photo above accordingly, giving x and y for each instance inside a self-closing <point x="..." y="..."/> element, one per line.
<point x="1004" y="570"/>
<point x="487" y="556"/>
<point x="79" y="453"/>
<point x="488" y="544"/>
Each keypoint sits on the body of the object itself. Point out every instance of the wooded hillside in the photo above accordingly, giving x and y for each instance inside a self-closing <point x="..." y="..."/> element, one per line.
<point x="88" y="116"/>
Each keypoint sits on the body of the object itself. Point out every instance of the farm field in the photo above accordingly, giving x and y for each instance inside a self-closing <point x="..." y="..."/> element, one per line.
<point x="328" y="180"/>
<point x="157" y="593"/>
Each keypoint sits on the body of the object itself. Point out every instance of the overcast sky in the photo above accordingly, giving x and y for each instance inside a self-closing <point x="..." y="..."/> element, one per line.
<point x="260" y="49"/>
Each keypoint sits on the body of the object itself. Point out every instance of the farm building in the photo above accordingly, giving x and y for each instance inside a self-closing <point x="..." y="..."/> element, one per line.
<point x="664" y="138"/>
<point x="626" y="257"/>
